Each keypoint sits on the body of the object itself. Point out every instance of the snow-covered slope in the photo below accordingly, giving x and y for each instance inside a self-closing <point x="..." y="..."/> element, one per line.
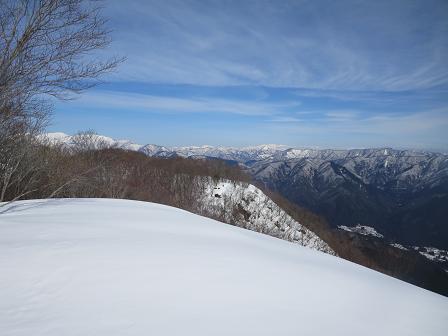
<point x="114" y="267"/>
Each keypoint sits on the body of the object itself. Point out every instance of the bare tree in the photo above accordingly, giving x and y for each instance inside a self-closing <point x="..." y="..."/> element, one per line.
<point x="89" y="140"/>
<point x="46" y="49"/>
<point x="44" y="44"/>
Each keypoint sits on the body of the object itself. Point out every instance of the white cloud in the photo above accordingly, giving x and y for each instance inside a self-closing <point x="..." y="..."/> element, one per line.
<point x="285" y="120"/>
<point x="427" y="124"/>
<point x="167" y="104"/>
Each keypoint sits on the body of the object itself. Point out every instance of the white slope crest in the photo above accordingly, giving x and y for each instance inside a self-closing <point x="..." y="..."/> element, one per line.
<point x="115" y="267"/>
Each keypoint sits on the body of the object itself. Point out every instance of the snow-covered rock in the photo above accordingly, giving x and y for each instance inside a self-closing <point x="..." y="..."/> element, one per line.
<point x="362" y="229"/>
<point x="433" y="253"/>
<point x="115" y="267"/>
<point x="399" y="246"/>
<point x="245" y="205"/>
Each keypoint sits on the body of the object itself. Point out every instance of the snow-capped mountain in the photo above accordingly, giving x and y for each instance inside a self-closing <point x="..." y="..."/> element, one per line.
<point x="99" y="140"/>
<point x="156" y="151"/>
<point x="119" y="267"/>
<point x="241" y="155"/>
<point x="57" y="137"/>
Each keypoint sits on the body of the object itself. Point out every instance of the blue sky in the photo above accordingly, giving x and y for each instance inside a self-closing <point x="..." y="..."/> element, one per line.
<point x="330" y="74"/>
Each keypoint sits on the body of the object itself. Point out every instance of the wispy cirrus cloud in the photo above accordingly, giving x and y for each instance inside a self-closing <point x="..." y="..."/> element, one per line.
<point x="350" y="45"/>
<point x="419" y="129"/>
<point x="285" y="120"/>
<point x="176" y="105"/>
<point x="361" y="121"/>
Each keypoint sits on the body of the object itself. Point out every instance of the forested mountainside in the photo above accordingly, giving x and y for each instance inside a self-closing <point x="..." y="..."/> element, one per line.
<point x="402" y="194"/>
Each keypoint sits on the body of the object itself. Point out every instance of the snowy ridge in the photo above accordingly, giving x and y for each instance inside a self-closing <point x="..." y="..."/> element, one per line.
<point x="114" y="267"/>
<point x="57" y="137"/>
<point x="247" y="206"/>
<point x="243" y="154"/>
<point x="104" y="141"/>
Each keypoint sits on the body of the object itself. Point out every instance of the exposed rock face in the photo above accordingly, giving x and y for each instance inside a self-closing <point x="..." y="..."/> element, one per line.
<point x="246" y="206"/>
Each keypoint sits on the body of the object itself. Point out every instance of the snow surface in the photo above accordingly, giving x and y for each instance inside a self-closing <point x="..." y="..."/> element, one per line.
<point x="115" y="267"/>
